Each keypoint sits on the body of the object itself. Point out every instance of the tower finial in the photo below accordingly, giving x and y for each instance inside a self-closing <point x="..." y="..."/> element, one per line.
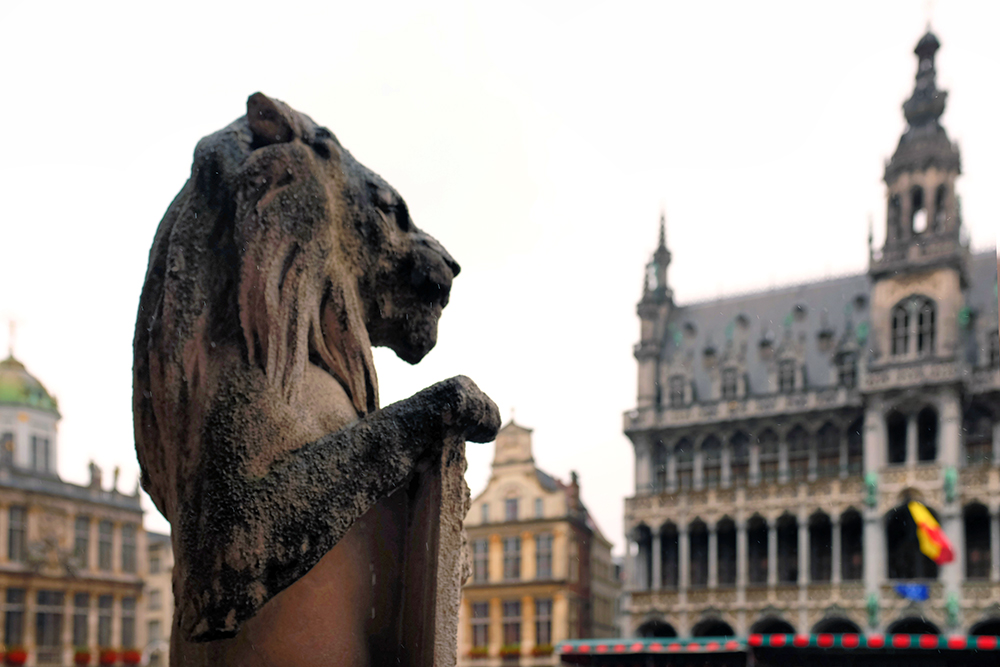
<point x="10" y="339"/>
<point x="663" y="228"/>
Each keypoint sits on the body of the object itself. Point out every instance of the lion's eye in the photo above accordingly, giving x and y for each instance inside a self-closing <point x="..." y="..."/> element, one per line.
<point x="402" y="216"/>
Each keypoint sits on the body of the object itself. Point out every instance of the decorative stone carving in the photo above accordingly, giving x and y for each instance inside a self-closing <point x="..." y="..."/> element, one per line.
<point x="309" y="526"/>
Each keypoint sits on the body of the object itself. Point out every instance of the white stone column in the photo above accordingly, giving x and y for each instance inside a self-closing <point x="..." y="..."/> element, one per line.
<point x="742" y="554"/>
<point x="804" y="553"/>
<point x="950" y="431"/>
<point x="995" y="544"/>
<point x="772" y="552"/>
<point x="911" y="439"/>
<point x="684" y="557"/>
<point x="713" y="556"/>
<point x="949" y="451"/>
<point x="657" y="561"/>
<point x="874" y="554"/>
<point x="835" y="549"/>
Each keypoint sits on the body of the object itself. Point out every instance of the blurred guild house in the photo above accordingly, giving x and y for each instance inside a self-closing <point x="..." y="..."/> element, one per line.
<point x="542" y="570"/>
<point x="779" y="435"/>
<point x="72" y="558"/>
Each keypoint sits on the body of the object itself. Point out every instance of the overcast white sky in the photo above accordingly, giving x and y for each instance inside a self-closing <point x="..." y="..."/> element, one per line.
<point x="537" y="141"/>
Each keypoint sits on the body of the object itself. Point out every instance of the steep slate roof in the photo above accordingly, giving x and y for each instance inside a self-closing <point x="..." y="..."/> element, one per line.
<point x="833" y="304"/>
<point x="829" y="304"/>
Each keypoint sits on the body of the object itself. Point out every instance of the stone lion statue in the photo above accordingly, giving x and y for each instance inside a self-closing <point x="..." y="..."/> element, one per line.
<point x="277" y="267"/>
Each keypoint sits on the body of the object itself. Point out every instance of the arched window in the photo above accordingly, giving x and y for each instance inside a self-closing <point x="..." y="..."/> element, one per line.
<point x="726" y="542"/>
<point x="669" y="550"/>
<point x="912" y="625"/>
<point x="712" y="627"/>
<point x="698" y="535"/>
<point x="684" y="456"/>
<point x="788" y="549"/>
<point x="851" y="552"/>
<point x="768" y="442"/>
<point x="659" y="466"/>
<point x="978" y="435"/>
<point x="913" y="327"/>
<point x="927" y="434"/>
<point x="656" y="628"/>
<point x="977" y="541"/>
<point x="643" y="573"/>
<point x="895" y="424"/>
<point x="757" y="549"/>
<point x="855" y="447"/>
<point x="798" y="454"/>
<point x="820" y="547"/>
<point x="772" y="625"/>
<point x="940" y="212"/>
<point x="711" y="462"/>
<point x="739" y="458"/>
<point x="906" y="561"/>
<point x="918" y="211"/>
<point x="828" y="451"/>
<point x="836" y="625"/>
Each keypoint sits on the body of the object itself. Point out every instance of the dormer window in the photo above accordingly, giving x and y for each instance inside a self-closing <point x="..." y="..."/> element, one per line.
<point x="729" y="384"/>
<point x="847" y="370"/>
<point x="786" y="376"/>
<point x="510" y="509"/>
<point x="677" y="383"/>
<point x="913" y="327"/>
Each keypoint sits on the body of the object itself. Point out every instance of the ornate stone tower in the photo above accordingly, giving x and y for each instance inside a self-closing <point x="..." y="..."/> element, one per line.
<point x="653" y="309"/>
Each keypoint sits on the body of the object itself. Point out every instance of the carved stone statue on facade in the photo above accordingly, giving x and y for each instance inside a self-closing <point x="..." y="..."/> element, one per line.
<point x="309" y="526"/>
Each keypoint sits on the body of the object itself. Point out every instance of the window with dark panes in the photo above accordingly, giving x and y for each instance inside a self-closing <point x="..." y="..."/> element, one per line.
<point x="684" y="456"/>
<point x="757" y="535"/>
<point x="900" y="330"/>
<point x="851" y="553"/>
<point x="81" y="540"/>
<point x="855" y="447"/>
<point x="154" y="563"/>
<point x="927" y="434"/>
<point x="798" y="454"/>
<point x="81" y="609"/>
<point x="511" y="558"/>
<point x="543" y="622"/>
<point x="481" y="561"/>
<point x="677" y="391"/>
<point x="155" y="631"/>
<point x="128" y="548"/>
<point x="698" y="536"/>
<point x="510" y="509"/>
<point x="847" y="370"/>
<point x="711" y="462"/>
<point x="895" y="425"/>
<point x="977" y="430"/>
<point x="543" y="556"/>
<point x="105" y="529"/>
<point x="977" y="541"/>
<point x="480" y="624"/>
<point x="155" y="599"/>
<point x="512" y="623"/>
<point x="105" y="609"/>
<point x="128" y="622"/>
<point x="729" y="384"/>
<point x="925" y="328"/>
<point x="786" y="376"/>
<point x="16" y="547"/>
<point x="48" y="627"/>
<point x="769" y="455"/>
<point x="739" y="458"/>
<point x="828" y="451"/>
<point x="13" y="628"/>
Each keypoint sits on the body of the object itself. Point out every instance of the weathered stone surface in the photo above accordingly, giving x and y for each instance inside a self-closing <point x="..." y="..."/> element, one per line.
<point x="295" y="501"/>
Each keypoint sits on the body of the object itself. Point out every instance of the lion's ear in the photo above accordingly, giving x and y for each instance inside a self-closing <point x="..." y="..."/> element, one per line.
<point x="269" y="123"/>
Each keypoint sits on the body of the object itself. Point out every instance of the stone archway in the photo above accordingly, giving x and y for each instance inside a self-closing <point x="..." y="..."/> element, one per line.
<point x="912" y="625"/>
<point x="656" y="627"/>
<point x="712" y="627"/>
<point x="836" y="625"/>
<point x="987" y="626"/>
<point x="772" y="625"/>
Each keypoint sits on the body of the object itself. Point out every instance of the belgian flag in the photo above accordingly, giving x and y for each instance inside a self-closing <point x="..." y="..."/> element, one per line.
<point x="933" y="542"/>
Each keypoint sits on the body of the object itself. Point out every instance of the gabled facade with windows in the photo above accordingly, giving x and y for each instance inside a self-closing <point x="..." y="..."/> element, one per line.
<point x="541" y="569"/>
<point x="779" y="435"/>
<point x="72" y="558"/>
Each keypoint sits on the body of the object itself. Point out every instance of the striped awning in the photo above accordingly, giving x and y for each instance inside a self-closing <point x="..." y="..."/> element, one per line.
<point x="736" y="645"/>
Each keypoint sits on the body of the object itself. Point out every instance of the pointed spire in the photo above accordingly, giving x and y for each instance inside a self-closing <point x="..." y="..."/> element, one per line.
<point x="663" y="230"/>
<point x="926" y="104"/>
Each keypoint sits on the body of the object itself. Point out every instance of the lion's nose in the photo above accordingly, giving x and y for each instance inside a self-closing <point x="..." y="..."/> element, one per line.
<point x="430" y="242"/>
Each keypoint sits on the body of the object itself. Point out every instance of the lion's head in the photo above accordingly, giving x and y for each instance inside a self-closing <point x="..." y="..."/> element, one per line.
<point x="283" y="247"/>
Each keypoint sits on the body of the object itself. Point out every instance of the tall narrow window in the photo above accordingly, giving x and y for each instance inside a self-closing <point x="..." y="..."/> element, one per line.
<point x="684" y="457"/>
<point x="510" y="509"/>
<point x="978" y="432"/>
<point x="726" y="546"/>
<point x="128" y="622"/>
<point x="155" y="599"/>
<point x="729" y="384"/>
<point x="480" y="624"/>
<point x="925" y="328"/>
<point x="104" y="532"/>
<point x="855" y="447"/>
<point x="14" y="617"/>
<point x="927" y="434"/>
<point x="828" y="451"/>
<point x="698" y="535"/>
<point x="757" y="535"/>
<point x="81" y="609"/>
<point x="486" y="512"/>
<point x="768" y="443"/>
<point x="481" y="561"/>
<point x="40" y="454"/>
<point x="677" y="391"/>
<point x="128" y="548"/>
<point x="739" y="459"/>
<point x="895" y="425"/>
<point x="543" y="622"/>
<point x="105" y="608"/>
<point x="539" y="508"/>
<point x="512" y="623"/>
<point x="977" y="542"/>
<point x="711" y="462"/>
<point x="669" y="552"/>
<point x="851" y="553"/>
<point x="16" y="531"/>
<point x="155" y="631"/>
<point x="847" y="370"/>
<point x="511" y="558"/>
<point x="820" y="547"/>
<point x="798" y="454"/>
<point x="81" y="541"/>
<point x="48" y="627"/>
<point x="543" y="556"/>
<point x="918" y="211"/>
<point x="786" y="376"/>
<point x="788" y="549"/>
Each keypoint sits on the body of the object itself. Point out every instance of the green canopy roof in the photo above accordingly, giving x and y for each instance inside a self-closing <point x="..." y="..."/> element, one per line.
<point x="19" y="387"/>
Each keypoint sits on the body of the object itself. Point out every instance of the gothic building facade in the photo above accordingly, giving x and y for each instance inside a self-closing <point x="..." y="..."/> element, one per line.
<point x="779" y="435"/>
